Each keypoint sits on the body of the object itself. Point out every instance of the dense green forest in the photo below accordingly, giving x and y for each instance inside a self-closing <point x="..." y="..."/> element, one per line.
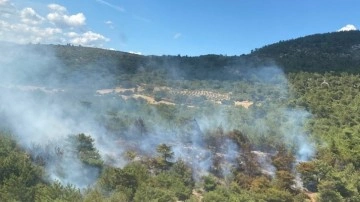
<point x="87" y="124"/>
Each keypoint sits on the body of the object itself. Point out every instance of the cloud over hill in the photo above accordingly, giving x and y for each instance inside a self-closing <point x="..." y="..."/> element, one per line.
<point x="57" y="26"/>
<point x="348" y="27"/>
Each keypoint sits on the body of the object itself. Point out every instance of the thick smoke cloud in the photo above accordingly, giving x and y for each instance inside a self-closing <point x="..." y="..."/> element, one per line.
<point x="43" y="111"/>
<point x="42" y="117"/>
<point x="290" y="123"/>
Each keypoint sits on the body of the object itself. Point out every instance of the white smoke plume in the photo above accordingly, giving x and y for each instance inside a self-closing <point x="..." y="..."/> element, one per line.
<point x="42" y="117"/>
<point x="43" y="111"/>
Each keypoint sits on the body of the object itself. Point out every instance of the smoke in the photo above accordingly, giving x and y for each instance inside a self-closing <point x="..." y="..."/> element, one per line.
<point x="293" y="129"/>
<point x="274" y="120"/>
<point x="43" y="117"/>
<point x="44" y="103"/>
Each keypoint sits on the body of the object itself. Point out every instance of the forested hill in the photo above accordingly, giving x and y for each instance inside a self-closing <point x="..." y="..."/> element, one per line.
<point x="197" y="129"/>
<point x="330" y="52"/>
<point x="337" y="51"/>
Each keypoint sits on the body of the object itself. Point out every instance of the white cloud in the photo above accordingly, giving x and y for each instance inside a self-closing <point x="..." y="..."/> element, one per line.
<point x="25" y="25"/>
<point x="348" y="27"/>
<point x="52" y="31"/>
<point x="88" y="38"/>
<point x="110" y="24"/>
<point x="54" y="17"/>
<point x="23" y="33"/>
<point x="29" y="16"/>
<point x="2" y="2"/>
<point x="118" y="8"/>
<point x="59" y="17"/>
<point x="134" y="52"/>
<point x="75" y="20"/>
<point x="6" y="9"/>
<point x="177" y="35"/>
<point x="72" y="34"/>
<point x="57" y="8"/>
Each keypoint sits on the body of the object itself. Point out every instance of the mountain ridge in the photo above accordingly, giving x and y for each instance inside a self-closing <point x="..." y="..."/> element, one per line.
<point x="334" y="52"/>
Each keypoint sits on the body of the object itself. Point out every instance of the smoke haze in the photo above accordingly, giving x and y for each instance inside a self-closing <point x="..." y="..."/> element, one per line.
<point x="42" y="109"/>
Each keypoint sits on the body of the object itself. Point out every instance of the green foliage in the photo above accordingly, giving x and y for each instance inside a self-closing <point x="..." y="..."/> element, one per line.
<point x="313" y="172"/>
<point x="94" y="195"/>
<point x="214" y="196"/>
<point x="165" y="151"/>
<point x="153" y="194"/>
<point x="328" y="192"/>
<point x="57" y="192"/>
<point x="86" y="150"/>
<point x="275" y="195"/>
<point x="316" y="53"/>
<point x="166" y="154"/>
<point x="125" y="181"/>
<point x="18" y="176"/>
<point x="210" y="183"/>
<point x="183" y="173"/>
<point x="118" y="179"/>
<point x="323" y="78"/>
<point x="173" y="184"/>
<point x="284" y="159"/>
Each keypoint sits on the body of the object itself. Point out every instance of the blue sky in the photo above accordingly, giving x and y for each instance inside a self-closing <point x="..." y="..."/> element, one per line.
<point x="164" y="27"/>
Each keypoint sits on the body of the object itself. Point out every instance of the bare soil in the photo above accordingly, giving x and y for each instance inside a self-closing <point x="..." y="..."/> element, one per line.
<point x="216" y="97"/>
<point x="245" y="104"/>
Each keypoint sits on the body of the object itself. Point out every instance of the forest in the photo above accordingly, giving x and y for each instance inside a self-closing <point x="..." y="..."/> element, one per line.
<point x="86" y="124"/>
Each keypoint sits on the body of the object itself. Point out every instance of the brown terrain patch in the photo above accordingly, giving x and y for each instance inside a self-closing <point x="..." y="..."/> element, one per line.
<point x="115" y="90"/>
<point x="245" y="104"/>
<point x="313" y="196"/>
<point x="209" y="95"/>
<point x="197" y="194"/>
<point x="122" y="90"/>
<point x="33" y="88"/>
<point x="105" y="91"/>
<point x="151" y="100"/>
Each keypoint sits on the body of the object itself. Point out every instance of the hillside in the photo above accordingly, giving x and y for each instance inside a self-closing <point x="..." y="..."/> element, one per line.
<point x="88" y="124"/>
<point x="337" y="51"/>
<point x="330" y="52"/>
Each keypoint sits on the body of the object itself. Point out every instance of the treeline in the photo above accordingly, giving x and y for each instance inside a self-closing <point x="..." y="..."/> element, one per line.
<point x="336" y="51"/>
<point x="330" y="52"/>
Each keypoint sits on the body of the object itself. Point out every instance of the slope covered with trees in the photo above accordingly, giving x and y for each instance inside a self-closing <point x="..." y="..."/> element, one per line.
<point x="337" y="51"/>
<point x="298" y="140"/>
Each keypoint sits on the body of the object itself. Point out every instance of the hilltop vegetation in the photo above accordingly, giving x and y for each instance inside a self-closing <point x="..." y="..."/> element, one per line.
<point x="337" y="52"/>
<point x="331" y="52"/>
<point x="298" y="140"/>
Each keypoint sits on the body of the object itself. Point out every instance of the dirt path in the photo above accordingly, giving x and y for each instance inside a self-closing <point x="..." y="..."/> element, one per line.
<point x="115" y="90"/>
<point x="151" y="100"/>
<point x="133" y="93"/>
<point x="313" y="196"/>
<point x="198" y="195"/>
<point x="245" y="104"/>
<point x="208" y="94"/>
